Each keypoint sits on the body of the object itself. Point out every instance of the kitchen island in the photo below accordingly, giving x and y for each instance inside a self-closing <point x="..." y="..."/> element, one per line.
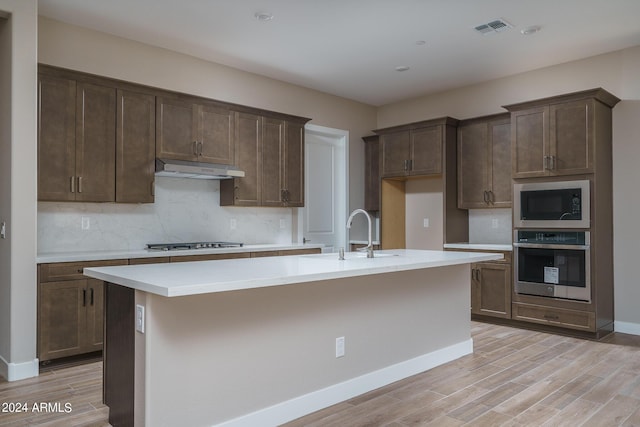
<point x="258" y="341"/>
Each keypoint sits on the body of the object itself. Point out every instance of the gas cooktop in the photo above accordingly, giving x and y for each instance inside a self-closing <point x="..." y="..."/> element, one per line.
<point x="191" y="245"/>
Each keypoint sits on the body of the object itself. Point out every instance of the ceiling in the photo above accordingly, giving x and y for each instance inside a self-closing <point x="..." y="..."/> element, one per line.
<point x="351" y="48"/>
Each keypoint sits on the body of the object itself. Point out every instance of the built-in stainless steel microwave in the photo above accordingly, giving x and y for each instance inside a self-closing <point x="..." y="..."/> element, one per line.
<point x="558" y="204"/>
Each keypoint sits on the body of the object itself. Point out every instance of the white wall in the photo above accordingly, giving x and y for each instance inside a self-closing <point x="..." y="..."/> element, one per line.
<point x="18" y="55"/>
<point x="424" y="200"/>
<point x="626" y="212"/>
<point x="616" y="72"/>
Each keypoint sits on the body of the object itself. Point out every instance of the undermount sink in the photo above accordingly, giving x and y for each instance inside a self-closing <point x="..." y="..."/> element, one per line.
<point x="350" y="255"/>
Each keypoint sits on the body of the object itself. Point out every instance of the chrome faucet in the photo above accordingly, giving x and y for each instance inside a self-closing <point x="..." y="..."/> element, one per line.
<point x="369" y="247"/>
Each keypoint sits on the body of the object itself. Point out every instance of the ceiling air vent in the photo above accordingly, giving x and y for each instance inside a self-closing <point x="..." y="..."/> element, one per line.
<point x="496" y="26"/>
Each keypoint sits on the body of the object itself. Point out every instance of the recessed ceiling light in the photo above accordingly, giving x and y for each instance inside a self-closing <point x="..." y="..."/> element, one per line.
<point x="421" y="42"/>
<point x="263" y="16"/>
<point x="530" y="30"/>
<point x="402" y="68"/>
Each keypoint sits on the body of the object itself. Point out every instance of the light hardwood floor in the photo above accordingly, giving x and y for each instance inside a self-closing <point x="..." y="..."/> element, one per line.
<point x="515" y="377"/>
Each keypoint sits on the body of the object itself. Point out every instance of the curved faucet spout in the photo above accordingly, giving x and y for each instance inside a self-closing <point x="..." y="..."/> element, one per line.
<point x="369" y="247"/>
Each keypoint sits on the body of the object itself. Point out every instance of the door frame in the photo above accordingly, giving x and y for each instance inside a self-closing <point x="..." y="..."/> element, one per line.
<point x="342" y="137"/>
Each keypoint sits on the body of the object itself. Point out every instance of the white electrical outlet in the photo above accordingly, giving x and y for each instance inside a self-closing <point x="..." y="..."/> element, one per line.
<point x="494" y="223"/>
<point x="233" y="224"/>
<point x="340" y="347"/>
<point x="283" y="223"/>
<point x="86" y="224"/>
<point x="140" y="318"/>
<point x="425" y="223"/>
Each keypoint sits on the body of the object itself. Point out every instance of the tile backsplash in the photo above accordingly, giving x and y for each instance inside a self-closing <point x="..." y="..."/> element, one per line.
<point x="490" y="226"/>
<point x="184" y="210"/>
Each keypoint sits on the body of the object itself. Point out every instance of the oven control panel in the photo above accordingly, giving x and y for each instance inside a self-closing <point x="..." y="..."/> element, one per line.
<point x="552" y="237"/>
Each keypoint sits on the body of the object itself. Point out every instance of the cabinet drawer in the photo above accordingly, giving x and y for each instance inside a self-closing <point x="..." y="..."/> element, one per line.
<point x="264" y="254"/>
<point x="154" y="260"/>
<point x="209" y="257"/>
<point x="299" y="252"/>
<point x="72" y="270"/>
<point x="573" y="319"/>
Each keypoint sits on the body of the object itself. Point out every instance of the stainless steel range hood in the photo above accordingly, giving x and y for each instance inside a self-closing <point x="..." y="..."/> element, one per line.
<point x="197" y="170"/>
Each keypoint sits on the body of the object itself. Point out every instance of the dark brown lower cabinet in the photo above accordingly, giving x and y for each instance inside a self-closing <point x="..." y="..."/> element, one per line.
<point x="70" y="318"/>
<point x="491" y="289"/>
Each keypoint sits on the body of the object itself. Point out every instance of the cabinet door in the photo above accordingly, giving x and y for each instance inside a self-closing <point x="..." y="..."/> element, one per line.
<point x="95" y="315"/>
<point x="529" y="135"/>
<point x="473" y="166"/>
<point x="426" y="151"/>
<point x="244" y="191"/>
<point x="294" y="164"/>
<point x="371" y="173"/>
<point x="272" y="158"/>
<point x="175" y="133"/>
<point x="395" y="153"/>
<point x="571" y="137"/>
<point x="61" y="323"/>
<point x="135" y="147"/>
<point x="491" y="289"/>
<point x="56" y="138"/>
<point x="95" y="143"/>
<point x="215" y="127"/>
<point x="500" y="163"/>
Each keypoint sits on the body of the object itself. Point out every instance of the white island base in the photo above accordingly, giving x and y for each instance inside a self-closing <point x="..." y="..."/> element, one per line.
<point x="264" y="356"/>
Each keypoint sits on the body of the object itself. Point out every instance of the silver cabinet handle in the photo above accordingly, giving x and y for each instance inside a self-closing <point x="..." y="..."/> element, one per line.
<point x="72" y="180"/>
<point x="79" y="184"/>
<point x="485" y="197"/>
<point x="553" y="162"/>
<point x="491" y="196"/>
<point x="545" y="163"/>
<point x="195" y="148"/>
<point x="200" y="145"/>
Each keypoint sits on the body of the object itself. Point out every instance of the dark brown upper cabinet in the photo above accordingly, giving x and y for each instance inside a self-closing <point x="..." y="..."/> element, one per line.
<point x="270" y="150"/>
<point x="558" y="136"/>
<point x="415" y="149"/>
<point x="76" y="140"/>
<point x="194" y="130"/>
<point x="96" y="141"/>
<point x="484" y="162"/>
<point x="371" y="173"/>
<point x="135" y="147"/>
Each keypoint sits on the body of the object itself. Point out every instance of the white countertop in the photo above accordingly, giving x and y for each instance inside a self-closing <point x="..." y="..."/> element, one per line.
<point x="145" y="253"/>
<point x="200" y="277"/>
<point x="479" y="246"/>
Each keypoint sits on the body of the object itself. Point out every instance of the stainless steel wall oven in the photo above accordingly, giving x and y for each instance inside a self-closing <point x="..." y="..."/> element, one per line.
<point x="553" y="263"/>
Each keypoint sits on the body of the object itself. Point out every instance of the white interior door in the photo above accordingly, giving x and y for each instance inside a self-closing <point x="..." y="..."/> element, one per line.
<point x="323" y="218"/>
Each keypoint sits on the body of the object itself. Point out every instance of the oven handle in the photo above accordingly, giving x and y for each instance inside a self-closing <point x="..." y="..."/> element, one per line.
<point x="543" y="246"/>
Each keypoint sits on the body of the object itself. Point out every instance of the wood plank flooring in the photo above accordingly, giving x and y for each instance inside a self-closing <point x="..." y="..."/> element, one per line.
<point x="79" y="386"/>
<point x="515" y="377"/>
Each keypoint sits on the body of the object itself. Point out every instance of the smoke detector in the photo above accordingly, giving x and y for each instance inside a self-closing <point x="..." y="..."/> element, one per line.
<point x="495" y="26"/>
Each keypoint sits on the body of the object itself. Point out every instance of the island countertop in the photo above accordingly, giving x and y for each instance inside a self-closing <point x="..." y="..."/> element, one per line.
<point x="203" y="277"/>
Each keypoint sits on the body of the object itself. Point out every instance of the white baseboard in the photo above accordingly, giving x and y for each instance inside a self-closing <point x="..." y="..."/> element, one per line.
<point x="314" y="401"/>
<point x="627" y="327"/>
<point x="18" y="371"/>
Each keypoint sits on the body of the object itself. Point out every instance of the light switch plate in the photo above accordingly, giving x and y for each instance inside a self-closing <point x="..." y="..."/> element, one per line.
<point x="3" y="230"/>
<point x="425" y="223"/>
